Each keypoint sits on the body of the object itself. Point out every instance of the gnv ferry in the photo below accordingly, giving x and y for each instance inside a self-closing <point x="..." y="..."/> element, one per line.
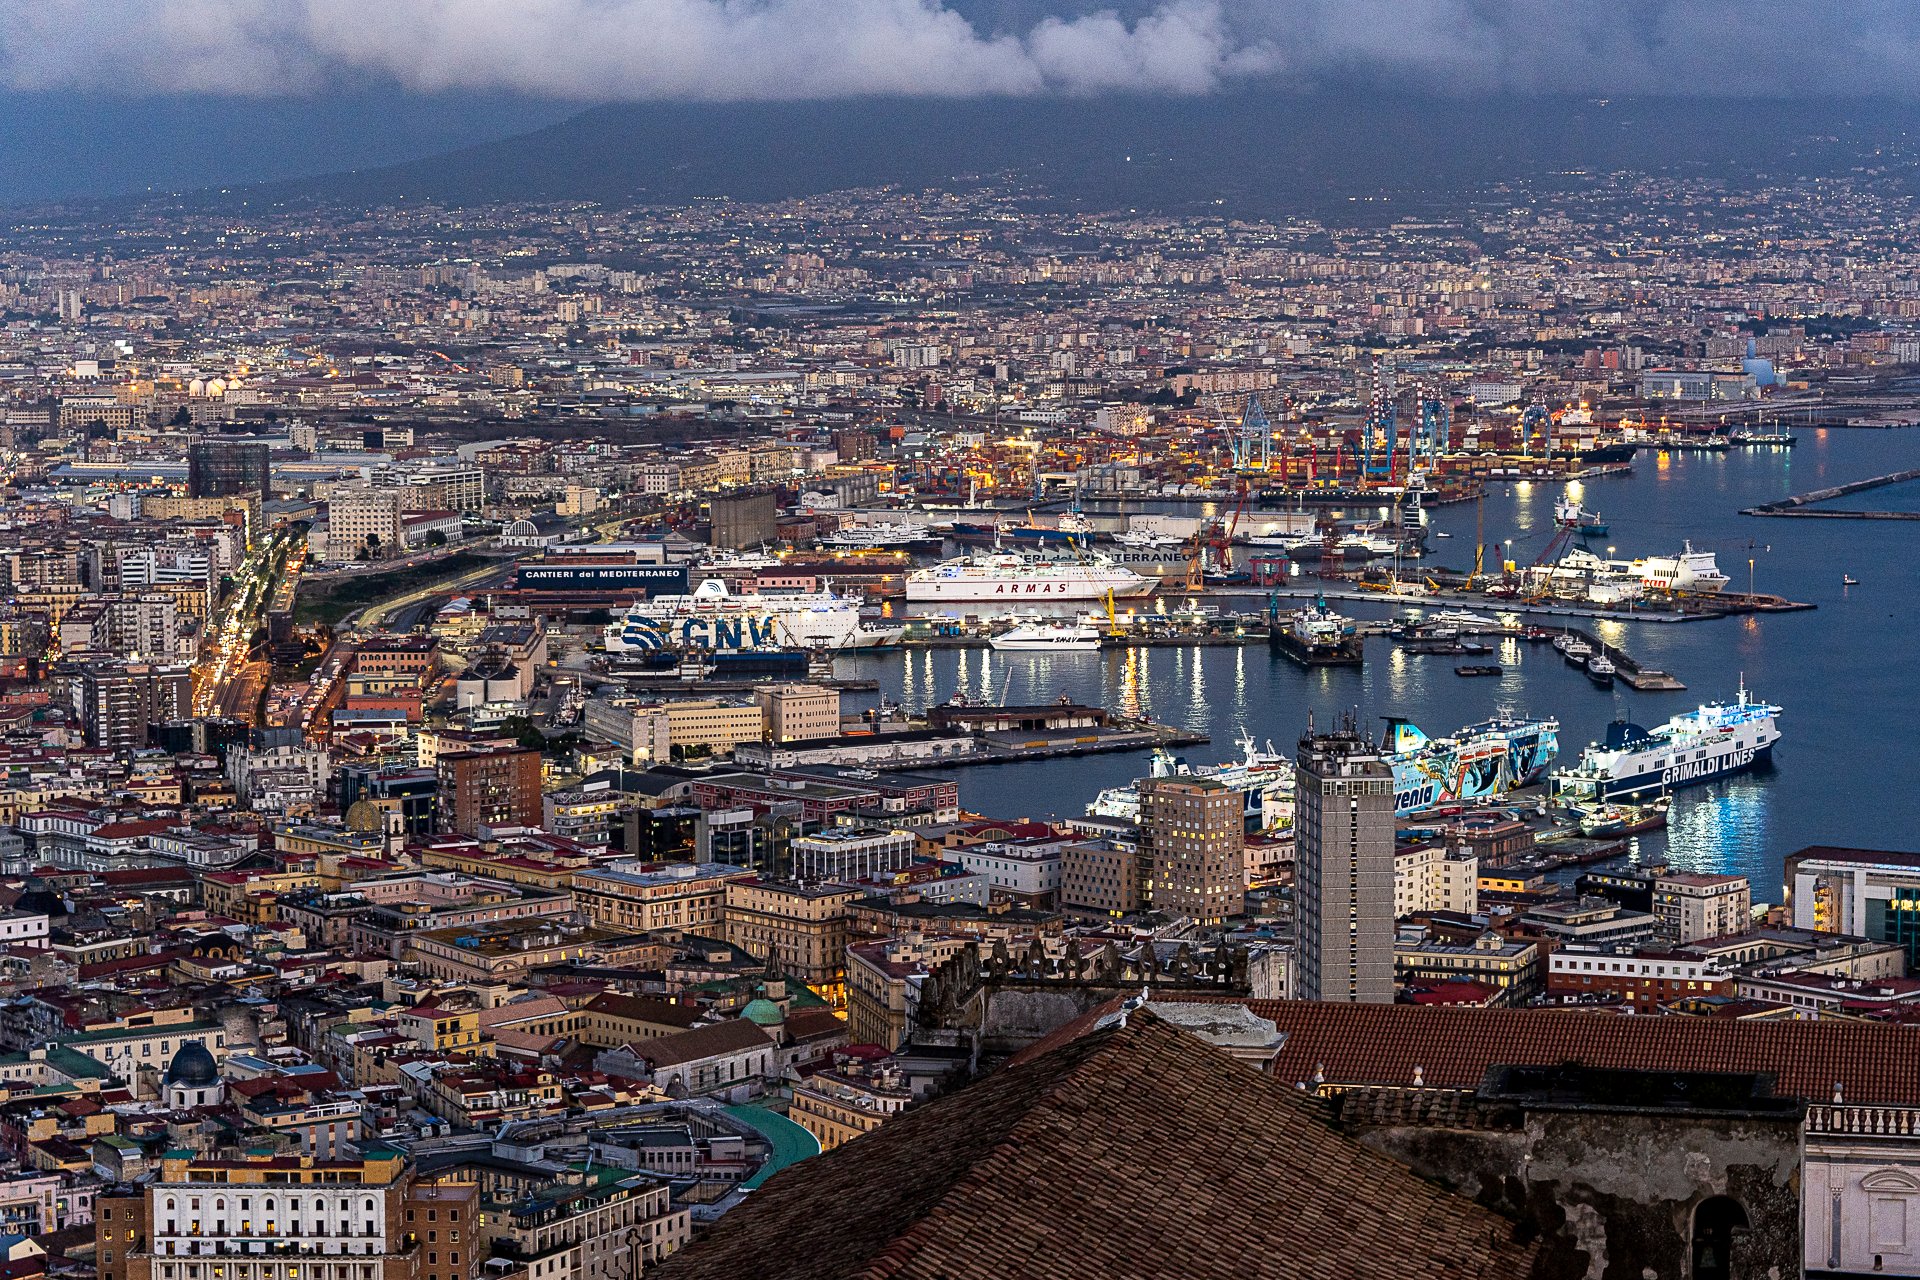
<point x="1694" y="747"/>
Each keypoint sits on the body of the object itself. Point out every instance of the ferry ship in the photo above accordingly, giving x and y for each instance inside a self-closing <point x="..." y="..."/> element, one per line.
<point x="879" y="537"/>
<point x="713" y="617"/>
<point x="1697" y="746"/>
<point x="999" y="576"/>
<point x="1072" y="527"/>
<point x="1481" y="762"/>
<point x="1047" y="637"/>
<point x="1694" y="572"/>
<point x="1263" y="778"/>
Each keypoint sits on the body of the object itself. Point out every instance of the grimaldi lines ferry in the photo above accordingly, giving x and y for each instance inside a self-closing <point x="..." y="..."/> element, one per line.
<point x="994" y="576"/>
<point x="1693" y="747"/>
<point x="712" y="617"/>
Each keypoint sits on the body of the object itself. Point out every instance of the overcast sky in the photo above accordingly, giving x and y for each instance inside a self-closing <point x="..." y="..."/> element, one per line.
<point x="606" y="50"/>
<point x="117" y="95"/>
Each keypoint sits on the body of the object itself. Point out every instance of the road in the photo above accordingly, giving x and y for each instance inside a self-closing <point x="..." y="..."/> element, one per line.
<point x="229" y="677"/>
<point x="374" y="615"/>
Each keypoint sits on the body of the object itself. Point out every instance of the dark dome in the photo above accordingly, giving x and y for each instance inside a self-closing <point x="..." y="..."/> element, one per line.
<point x="193" y="1067"/>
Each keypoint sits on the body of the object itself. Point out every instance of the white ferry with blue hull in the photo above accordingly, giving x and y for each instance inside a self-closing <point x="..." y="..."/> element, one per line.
<point x="1698" y="746"/>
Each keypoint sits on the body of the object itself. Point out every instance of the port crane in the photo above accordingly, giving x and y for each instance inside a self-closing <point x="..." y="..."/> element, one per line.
<point x="1433" y="436"/>
<point x="1566" y="532"/>
<point x="1536" y="418"/>
<point x="1379" y="432"/>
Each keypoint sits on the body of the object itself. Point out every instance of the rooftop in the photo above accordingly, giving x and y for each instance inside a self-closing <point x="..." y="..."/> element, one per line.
<point x="1381" y="1044"/>
<point x="1042" y="1169"/>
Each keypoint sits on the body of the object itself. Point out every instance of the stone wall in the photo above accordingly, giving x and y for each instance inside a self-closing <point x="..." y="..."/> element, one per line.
<point x="1614" y="1193"/>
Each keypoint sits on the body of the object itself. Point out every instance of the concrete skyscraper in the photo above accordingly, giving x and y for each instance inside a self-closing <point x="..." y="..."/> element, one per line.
<point x="1343" y="873"/>
<point x="1195" y="830"/>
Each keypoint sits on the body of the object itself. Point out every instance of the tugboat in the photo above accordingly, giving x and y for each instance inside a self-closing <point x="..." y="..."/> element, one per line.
<point x="1570" y="514"/>
<point x="1316" y="636"/>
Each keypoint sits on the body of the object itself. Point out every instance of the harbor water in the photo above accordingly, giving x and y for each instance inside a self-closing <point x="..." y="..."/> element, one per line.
<point x="1847" y="771"/>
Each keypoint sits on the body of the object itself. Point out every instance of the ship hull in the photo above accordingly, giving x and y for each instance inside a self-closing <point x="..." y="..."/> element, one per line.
<point x="1044" y="646"/>
<point x="1153" y="562"/>
<point x="1694" y="773"/>
<point x="742" y="630"/>
<point x="1348" y="653"/>
<point x="995" y="591"/>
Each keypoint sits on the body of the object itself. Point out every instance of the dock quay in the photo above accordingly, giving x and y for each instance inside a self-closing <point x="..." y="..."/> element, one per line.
<point x="694" y="686"/>
<point x="1307" y="589"/>
<point x="1556" y="852"/>
<point x="976" y="640"/>
<point x="1627" y="670"/>
<point x="1007" y="749"/>
<point x="953" y="744"/>
<point x="1692" y="609"/>
<point x="1800" y="504"/>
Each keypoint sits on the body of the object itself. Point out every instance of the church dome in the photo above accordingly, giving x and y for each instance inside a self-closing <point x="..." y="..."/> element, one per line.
<point x="763" y="1013"/>
<point x="193" y="1067"/>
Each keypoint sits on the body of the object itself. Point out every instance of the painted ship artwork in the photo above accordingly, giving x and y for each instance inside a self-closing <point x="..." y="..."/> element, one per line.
<point x="712" y="616"/>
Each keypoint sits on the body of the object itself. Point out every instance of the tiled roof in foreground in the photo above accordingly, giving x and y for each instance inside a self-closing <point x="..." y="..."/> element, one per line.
<point x="1134" y="1151"/>
<point x="1382" y="1044"/>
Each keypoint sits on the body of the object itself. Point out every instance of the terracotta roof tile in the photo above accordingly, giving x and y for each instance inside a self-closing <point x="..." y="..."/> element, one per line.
<point x="1133" y="1151"/>
<point x="1381" y="1044"/>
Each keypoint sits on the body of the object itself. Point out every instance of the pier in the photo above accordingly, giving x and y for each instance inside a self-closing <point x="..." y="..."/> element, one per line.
<point x="1627" y="670"/>
<point x="1800" y="504"/>
<point x="1197" y="640"/>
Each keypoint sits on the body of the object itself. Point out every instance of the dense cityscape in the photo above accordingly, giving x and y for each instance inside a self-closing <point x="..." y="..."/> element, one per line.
<point x="573" y="725"/>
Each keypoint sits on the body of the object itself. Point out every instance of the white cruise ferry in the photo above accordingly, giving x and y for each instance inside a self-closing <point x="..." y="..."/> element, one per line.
<point x="1263" y="778"/>
<point x="1693" y="747"/>
<point x="1691" y="571"/>
<point x="713" y="617"/>
<point x="1001" y="576"/>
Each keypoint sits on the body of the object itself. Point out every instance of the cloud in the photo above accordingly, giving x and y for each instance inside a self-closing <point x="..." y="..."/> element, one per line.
<point x="601" y="50"/>
<point x="709" y="50"/>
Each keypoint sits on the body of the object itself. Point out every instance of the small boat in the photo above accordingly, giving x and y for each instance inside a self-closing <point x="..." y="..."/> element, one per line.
<point x="1441" y="533"/>
<point x="1600" y="670"/>
<point x="1623" y="819"/>
<point x="1575" y="651"/>
<point x="1480" y="669"/>
<point x="1848" y="580"/>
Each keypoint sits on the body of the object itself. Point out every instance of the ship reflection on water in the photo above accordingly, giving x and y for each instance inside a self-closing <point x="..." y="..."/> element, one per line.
<point x="1840" y="775"/>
